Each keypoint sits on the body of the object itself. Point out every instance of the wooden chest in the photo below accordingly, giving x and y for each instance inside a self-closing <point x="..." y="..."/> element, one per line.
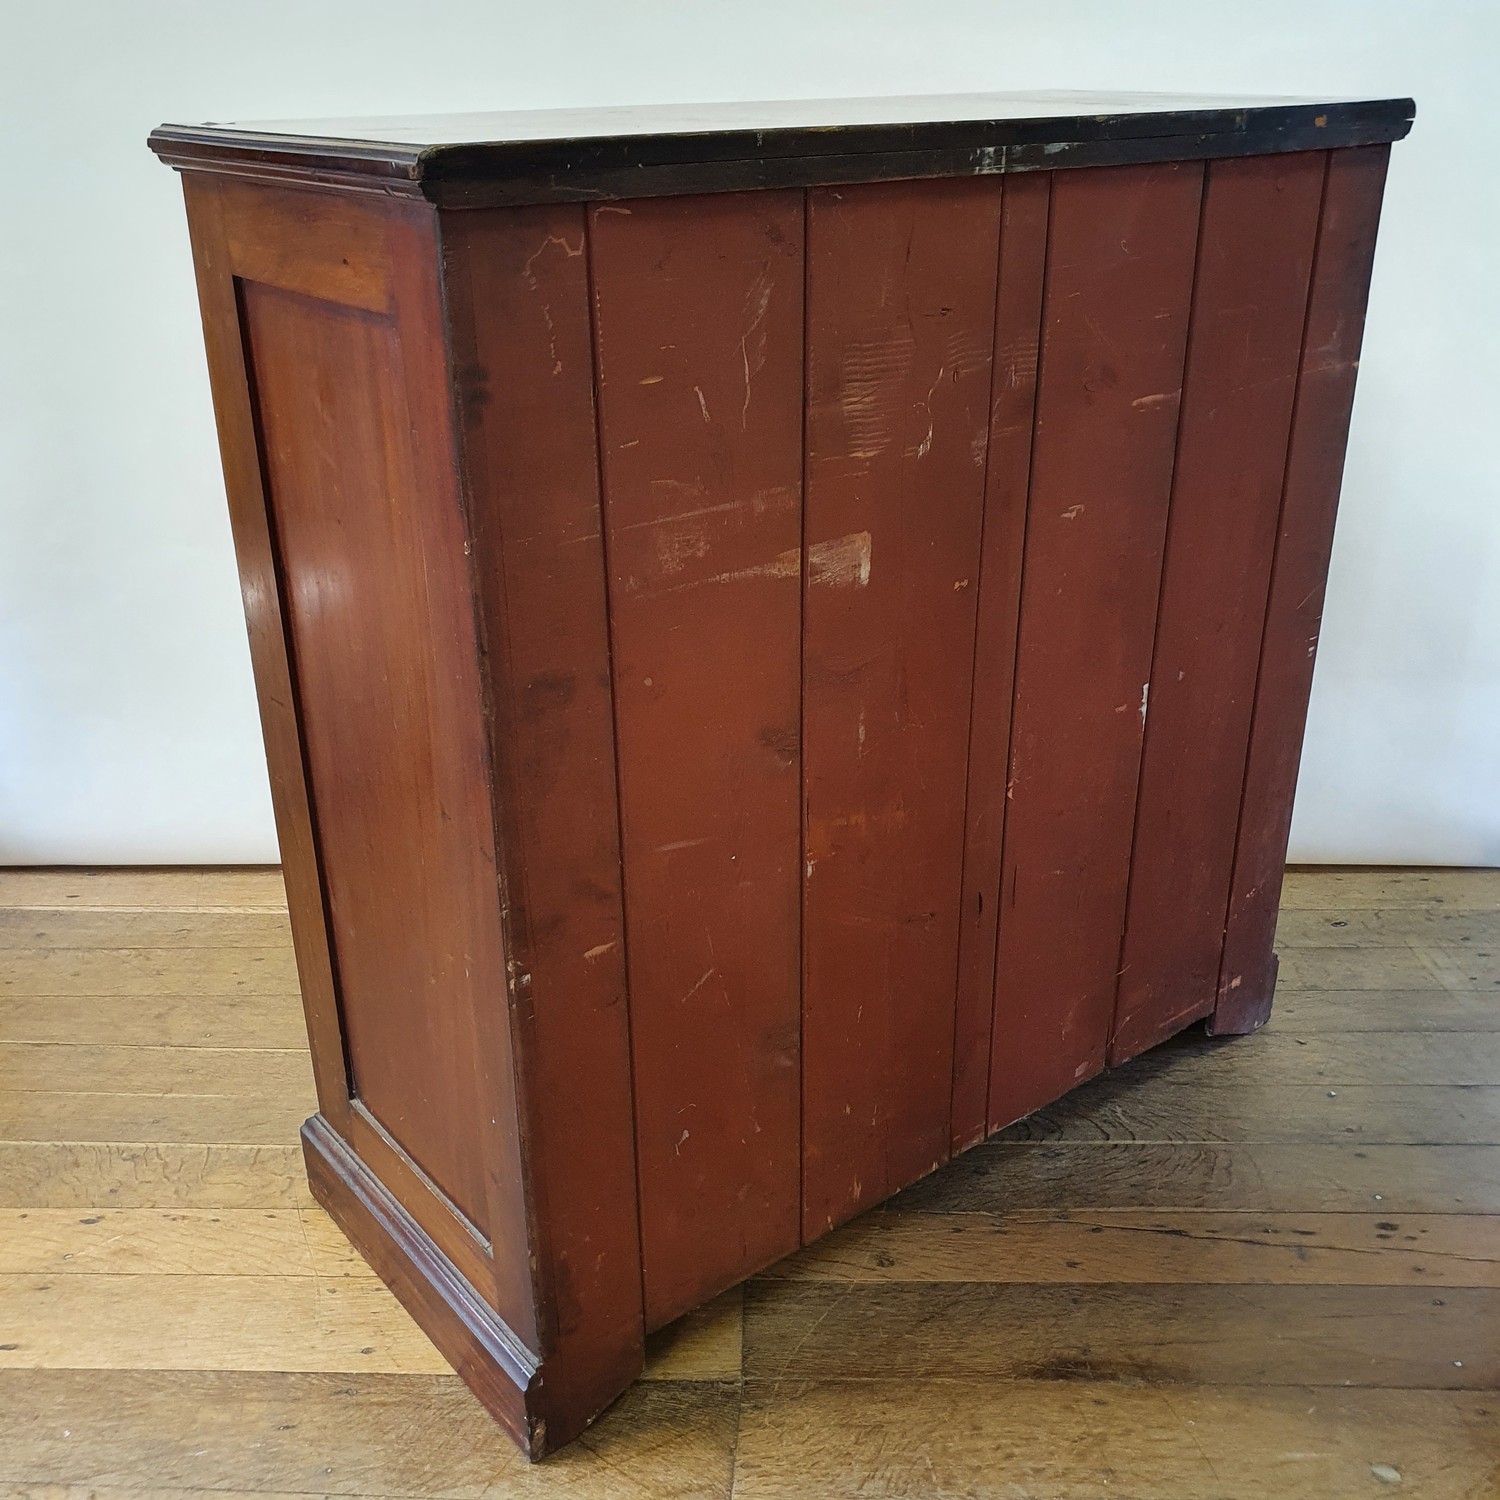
<point x="783" y="635"/>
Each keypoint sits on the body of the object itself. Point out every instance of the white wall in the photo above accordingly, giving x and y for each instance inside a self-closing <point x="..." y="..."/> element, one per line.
<point x="127" y="724"/>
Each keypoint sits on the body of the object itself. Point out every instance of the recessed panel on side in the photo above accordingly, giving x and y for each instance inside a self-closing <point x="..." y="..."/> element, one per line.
<point x="1115" y="318"/>
<point x="698" y="311"/>
<point x="900" y="324"/>
<point x="1260" y="220"/>
<point x="376" y="595"/>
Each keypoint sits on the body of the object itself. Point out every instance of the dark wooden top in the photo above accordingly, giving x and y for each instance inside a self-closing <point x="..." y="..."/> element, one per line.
<point x="546" y="156"/>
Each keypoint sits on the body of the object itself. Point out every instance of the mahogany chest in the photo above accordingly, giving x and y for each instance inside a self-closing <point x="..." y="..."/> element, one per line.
<point x="783" y="634"/>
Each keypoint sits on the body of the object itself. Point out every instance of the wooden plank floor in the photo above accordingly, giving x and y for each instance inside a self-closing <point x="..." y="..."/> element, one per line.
<point x="1265" y="1267"/>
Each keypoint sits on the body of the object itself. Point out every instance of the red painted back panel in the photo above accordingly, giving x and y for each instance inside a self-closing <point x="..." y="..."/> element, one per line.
<point x="881" y="756"/>
<point x="1119" y="283"/>
<point x="901" y="292"/>
<point x="698" y="325"/>
<point x="1018" y="311"/>
<point x="1260" y="219"/>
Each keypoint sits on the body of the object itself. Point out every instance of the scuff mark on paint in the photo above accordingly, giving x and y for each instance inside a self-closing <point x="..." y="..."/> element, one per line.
<point x="776" y="497"/>
<point x="784" y="565"/>
<point x="841" y="563"/>
<point x="682" y="515"/>
<point x="1145" y="698"/>
<point x="679" y="844"/>
<point x="757" y="302"/>
<point x="591" y="954"/>
<point x="570" y="251"/>
<point x="872" y="391"/>
<point x="675" y="548"/>
<point x="708" y="974"/>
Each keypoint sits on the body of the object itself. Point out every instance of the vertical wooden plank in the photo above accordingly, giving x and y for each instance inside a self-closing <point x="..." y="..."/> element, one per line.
<point x="901" y="312"/>
<point x="1119" y="283"/>
<point x="1018" y="312"/>
<point x="516" y="282"/>
<point x="1260" y="219"/>
<point x="1315" y="462"/>
<point x="699" y="311"/>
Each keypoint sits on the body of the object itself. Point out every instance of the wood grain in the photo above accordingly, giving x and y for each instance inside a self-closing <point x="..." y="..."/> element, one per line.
<point x="51" y="1067"/>
<point x="1387" y="968"/>
<point x="197" y="1322"/>
<point x="343" y="1434"/>
<point x="1384" y="1336"/>
<point x="705" y="1344"/>
<point x="174" y="1242"/>
<point x="221" y="888"/>
<point x="161" y="1174"/>
<point x="385" y="658"/>
<point x="1309" y="1011"/>
<point x="180" y="931"/>
<point x="1258" y="1176"/>
<point x="1129" y="1108"/>
<point x="149" y="971"/>
<point x="1143" y="1247"/>
<point x="211" y="208"/>
<point x="1078" y="1439"/>
<point x="1429" y="926"/>
<point x="242" y="1022"/>
<point x="1321" y="889"/>
<point x="1441" y="1057"/>
<point x="900" y="323"/>
<point x="189" y="1119"/>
